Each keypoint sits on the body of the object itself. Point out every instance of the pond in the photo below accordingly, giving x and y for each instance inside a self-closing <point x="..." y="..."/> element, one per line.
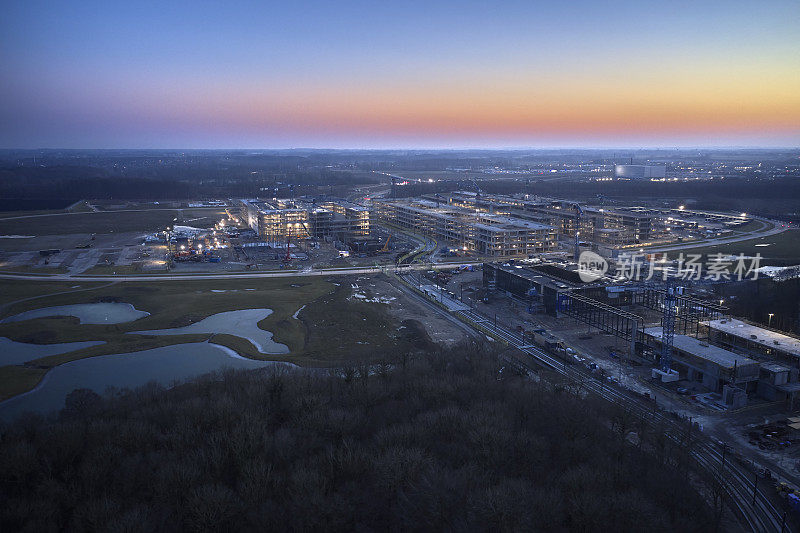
<point x="242" y="323"/>
<point x="98" y="313"/>
<point x="15" y="353"/>
<point x="164" y="365"/>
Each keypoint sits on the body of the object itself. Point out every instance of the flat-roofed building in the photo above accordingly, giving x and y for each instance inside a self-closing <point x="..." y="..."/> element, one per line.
<point x="752" y="339"/>
<point x="486" y="233"/>
<point x="609" y="226"/>
<point x="355" y="218"/>
<point x="280" y="219"/>
<point x="697" y="360"/>
<point x="640" y="171"/>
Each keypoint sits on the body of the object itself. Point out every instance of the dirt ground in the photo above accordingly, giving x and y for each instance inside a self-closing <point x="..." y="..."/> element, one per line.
<point x="402" y="308"/>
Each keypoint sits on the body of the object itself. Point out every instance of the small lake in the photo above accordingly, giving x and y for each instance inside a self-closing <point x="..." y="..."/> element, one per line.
<point x="164" y="365"/>
<point x="15" y="353"/>
<point x="242" y="323"/>
<point x="99" y="313"/>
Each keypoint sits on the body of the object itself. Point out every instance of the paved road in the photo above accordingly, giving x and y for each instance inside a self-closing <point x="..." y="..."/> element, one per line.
<point x="244" y="275"/>
<point x="109" y="211"/>
<point x="776" y="228"/>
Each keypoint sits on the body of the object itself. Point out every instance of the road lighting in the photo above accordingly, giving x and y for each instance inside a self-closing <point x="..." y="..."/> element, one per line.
<point x="769" y="322"/>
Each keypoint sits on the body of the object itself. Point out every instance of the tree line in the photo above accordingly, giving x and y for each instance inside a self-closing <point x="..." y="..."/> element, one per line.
<point x="438" y="440"/>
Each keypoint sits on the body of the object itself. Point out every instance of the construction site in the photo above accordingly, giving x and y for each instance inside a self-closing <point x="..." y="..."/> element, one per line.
<point x="521" y="224"/>
<point x="668" y="334"/>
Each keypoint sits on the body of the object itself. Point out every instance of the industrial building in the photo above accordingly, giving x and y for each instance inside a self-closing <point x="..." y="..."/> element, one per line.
<point x="757" y="341"/>
<point x="697" y="360"/>
<point x="490" y="234"/>
<point x="640" y="171"/>
<point x="277" y="220"/>
<point x="726" y="356"/>
<point x="538" y="285"/>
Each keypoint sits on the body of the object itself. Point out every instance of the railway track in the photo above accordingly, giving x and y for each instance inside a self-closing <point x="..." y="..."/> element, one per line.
<point x="753" y="507"/>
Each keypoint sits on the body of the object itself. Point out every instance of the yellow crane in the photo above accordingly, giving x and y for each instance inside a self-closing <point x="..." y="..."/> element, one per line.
<point x="386" y="245"/>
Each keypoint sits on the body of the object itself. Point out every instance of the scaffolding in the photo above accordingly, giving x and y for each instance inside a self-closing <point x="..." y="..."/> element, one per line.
<point x="604" y="317"/>
<point x="688" y="311"/>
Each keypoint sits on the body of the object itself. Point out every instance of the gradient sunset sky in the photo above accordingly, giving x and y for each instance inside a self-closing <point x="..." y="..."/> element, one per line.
<point x="372" y="74"/>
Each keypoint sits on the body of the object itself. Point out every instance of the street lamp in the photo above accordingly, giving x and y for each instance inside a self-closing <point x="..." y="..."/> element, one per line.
<point x="769" y="322"/>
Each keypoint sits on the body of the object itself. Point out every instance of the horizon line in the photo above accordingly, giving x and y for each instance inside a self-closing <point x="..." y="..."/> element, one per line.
<point x="428" y="149"/>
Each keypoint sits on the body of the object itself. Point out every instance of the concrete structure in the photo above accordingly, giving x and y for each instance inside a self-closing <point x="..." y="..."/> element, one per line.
<point x="713" y="366"/>
<point x="611" y="227"/>
<point x="777" y="382"/>
<point x="640" y="171"/>
<point x="277" y="220"/>
<point x="751" y="339"/>
<point x="489" y="234"/>
<point x="538" y="285"/>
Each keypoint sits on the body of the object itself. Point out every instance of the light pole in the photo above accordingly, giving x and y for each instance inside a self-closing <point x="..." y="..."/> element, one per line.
<point x="769" y="322"/>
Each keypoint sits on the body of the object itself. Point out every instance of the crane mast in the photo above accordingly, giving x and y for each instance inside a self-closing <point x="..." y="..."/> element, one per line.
<point x="578" y="217"/>
<point x="668" y="326"/>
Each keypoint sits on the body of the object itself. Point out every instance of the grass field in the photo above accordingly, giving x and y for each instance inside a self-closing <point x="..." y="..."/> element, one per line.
<point x="81" y="207"/>
<point x="107" y="221"/>
<point x="753" y="225"/>
<point x="14" y="214"/>
<point x="331" y="328"/>
<point x="781" y="250"/>
<point x="11" y="291"/>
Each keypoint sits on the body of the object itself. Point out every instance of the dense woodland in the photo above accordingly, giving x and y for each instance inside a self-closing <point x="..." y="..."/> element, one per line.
<point x="52" y="179"/>
<point x="436" y="441"/>
<point x="756" y="299"/>
<point x="58" y="187"/>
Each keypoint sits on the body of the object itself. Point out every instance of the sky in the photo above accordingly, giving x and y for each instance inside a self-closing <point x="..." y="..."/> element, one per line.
<point x="374" y="74"/>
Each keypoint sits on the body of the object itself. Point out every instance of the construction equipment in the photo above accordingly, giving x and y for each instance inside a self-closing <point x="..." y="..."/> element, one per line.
<point x="578" y="217"/>
<point x="385" y="246"/>
<point x="668" y="326"/>
<point x="288" y="257"/>
<point x="478" y="189"/>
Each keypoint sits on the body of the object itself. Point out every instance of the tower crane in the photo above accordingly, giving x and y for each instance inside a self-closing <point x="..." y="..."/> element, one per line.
<point x="478" y="190"/>
<point x="668" y="326"/>
<point x="578" y="218"/>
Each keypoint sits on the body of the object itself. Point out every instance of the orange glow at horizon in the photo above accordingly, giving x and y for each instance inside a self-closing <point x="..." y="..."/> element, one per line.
<point x="670" y="104"/>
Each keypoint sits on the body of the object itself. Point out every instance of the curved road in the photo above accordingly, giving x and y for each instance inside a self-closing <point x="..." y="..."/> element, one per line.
<point x="774" y="230"/>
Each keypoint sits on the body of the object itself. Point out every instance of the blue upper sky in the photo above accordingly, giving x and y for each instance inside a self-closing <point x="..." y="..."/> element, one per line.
<point x="373" y="74"/>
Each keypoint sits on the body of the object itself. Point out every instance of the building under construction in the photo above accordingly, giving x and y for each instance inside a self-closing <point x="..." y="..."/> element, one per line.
<point x="703" y="346"/>
<point x="754" y="340"/>
<point x="277" y="220"/>
<point x="489" y="234"/>
<point x="610" y="229"/>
